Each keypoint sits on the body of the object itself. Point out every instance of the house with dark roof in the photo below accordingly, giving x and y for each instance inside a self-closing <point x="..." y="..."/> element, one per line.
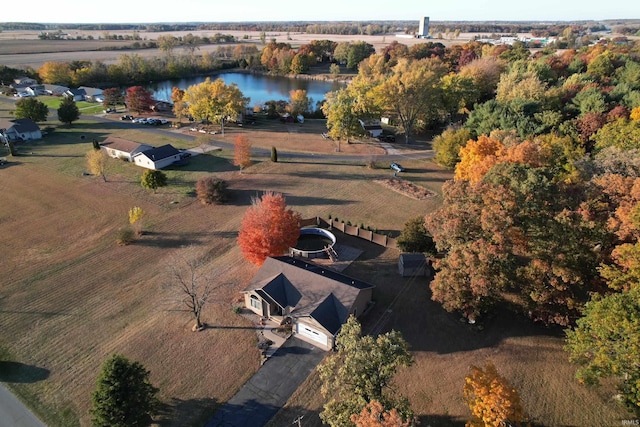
<point x="315" y="300"/>
<point x="55" y="90"/>
<point x="373" y="127"/>
<point x="26" y="81"/>
<point x="20" y="129"/>
<point x="76" y="94"/>
<point x="120" y="148"/>
<point x="157" y="158"/>
<point x="92" y="94"/>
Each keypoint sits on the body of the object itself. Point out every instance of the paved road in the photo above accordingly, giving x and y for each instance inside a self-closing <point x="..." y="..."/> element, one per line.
<point x="14" y="414"/>
<point x="270" y="388"/>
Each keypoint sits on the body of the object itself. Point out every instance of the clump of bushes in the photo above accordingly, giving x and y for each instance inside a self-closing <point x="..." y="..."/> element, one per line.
<point x="212" y="190"/>
<point x="125" y="236"/>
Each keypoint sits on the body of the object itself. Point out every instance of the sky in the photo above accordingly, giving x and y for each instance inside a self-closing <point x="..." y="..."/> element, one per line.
<point x="126" y="11"/>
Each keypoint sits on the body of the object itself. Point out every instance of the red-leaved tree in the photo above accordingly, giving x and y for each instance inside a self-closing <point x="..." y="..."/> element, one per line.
<point x="138" y="99"/>
<point x="268" y="228"/>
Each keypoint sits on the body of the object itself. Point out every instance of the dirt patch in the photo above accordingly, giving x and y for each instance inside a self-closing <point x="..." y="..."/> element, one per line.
<point x="407" y="188"/>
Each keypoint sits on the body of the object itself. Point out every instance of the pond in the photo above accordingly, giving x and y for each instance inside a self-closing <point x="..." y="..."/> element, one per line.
<point x="258" y="87"/>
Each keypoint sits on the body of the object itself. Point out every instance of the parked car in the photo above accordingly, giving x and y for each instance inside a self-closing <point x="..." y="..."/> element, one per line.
<point x="184" y="154"/>
<point x="126" y="117"/>
<point x="397" y="167"/>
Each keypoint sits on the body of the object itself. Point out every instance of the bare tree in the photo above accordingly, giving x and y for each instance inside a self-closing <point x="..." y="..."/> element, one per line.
<point x="193" y="284"/>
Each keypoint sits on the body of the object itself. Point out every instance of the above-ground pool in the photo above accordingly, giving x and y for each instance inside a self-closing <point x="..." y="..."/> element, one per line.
<point x="313" y="243"/>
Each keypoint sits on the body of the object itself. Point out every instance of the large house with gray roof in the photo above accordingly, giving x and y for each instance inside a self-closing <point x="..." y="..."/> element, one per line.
<point x="315" y="300"/>
<point x="20" y="129"/>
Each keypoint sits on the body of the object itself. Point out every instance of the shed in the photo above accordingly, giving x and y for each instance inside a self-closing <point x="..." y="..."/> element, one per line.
<point x="412" y="264"/>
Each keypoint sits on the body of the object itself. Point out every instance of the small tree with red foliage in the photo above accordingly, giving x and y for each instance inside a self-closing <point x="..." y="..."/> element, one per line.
<point x="375" y="415"/>
<point x="242" y="152"/>
<point x="138" y="99"/>
<point x="268" y="228"/>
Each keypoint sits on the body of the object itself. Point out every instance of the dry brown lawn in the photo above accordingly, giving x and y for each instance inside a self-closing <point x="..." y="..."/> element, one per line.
<point x="70" y="296"/>
<point x="444" y="348"/>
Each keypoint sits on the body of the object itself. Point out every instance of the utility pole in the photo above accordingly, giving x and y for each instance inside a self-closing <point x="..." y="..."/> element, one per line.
<point x="298" y="421"/>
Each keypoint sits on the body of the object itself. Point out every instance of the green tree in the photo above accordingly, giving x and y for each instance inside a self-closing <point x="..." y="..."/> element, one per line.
<point x="68" y="111"/>
<point x="300" y="64"/>
<point x="31" y="108"/>
<point x="447" y="146"/>
<point x="342" y="119"/>
<point x="112" y="97"/>
<point x="606" y="343"/>
<point x="124" y="395"/>
<point x="361" y="371"/>
<point x="415" y="237"/>
<point x="215" y="101"/>
<point x="274" y="155"/>
<point x="622" y="133"/>
<point x="334" y="69"/>
<point x="412" y="93"/>
<point x="358" y="51"/>
<point x="153" y="179"/>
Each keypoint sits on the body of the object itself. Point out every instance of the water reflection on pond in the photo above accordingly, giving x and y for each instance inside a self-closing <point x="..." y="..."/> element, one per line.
<point x="260" y="88"/>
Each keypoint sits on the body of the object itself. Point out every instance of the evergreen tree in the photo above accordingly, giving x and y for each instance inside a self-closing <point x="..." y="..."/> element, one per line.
<point x="124" y="396"/>
<point x="68" y="111"/>
<point x="153" y="180"/>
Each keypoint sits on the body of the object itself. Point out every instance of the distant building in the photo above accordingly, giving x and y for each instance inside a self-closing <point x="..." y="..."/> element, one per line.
<point x="423" y="31"/>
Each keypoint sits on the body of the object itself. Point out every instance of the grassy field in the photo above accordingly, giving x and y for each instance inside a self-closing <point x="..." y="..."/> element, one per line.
<point x="53" y="102"/>
<point x="70" y="296"/>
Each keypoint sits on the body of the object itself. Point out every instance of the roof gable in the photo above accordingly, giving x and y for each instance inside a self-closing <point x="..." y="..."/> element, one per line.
<point x="306" y="287"/>
<point x="19" y="125"/>
<point x="282" y="291"/>
<point x="330" y="313"/>
<point x="121" y="144"/>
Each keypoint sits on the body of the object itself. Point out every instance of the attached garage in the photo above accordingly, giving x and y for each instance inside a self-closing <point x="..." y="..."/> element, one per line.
<point x="315" y="335"/>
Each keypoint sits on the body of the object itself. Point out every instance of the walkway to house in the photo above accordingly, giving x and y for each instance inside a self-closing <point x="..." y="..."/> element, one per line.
<point x="270" y="388"/>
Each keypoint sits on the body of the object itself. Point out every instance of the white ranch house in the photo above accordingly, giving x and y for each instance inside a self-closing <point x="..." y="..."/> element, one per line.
<point x="157" y="158"/>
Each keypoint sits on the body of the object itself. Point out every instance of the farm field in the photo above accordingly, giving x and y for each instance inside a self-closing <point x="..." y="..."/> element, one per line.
<point x="24" y="49"/>
<point x="70" y="296"/>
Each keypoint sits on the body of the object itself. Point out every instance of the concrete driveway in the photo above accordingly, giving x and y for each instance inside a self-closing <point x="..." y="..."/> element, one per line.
<point x="270" y="388"/>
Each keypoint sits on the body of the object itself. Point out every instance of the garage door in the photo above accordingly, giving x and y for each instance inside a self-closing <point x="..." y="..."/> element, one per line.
<point x="314" y="334"/>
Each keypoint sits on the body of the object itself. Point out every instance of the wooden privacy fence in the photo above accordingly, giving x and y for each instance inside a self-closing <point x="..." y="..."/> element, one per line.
<point x="351" y="230"/>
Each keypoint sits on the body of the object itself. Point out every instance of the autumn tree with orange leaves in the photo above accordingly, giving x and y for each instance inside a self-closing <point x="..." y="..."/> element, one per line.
<point x="375" y="415"/>
<point x="242" y="152"/>
<point x="268" y="228"/>
<point x="492" y="400"/>
<point x="477" y="158"/>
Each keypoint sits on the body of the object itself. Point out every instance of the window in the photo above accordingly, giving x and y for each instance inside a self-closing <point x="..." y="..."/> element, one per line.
<point x="255" y="302"/>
